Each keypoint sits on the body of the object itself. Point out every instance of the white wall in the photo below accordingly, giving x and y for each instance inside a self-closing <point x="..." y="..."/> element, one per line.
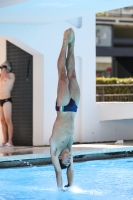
<point x="46" y="40"/>
<point x="115" y="110"/>
<point x="2" y="50"/>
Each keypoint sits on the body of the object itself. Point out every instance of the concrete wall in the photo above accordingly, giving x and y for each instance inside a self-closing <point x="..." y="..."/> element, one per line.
<point x="115" y="110"/>
<point x="44" y="43"/>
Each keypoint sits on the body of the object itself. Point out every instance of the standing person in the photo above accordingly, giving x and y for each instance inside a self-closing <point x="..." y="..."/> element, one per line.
<point x="7" y="79"/>
<point x="68" y="95"/>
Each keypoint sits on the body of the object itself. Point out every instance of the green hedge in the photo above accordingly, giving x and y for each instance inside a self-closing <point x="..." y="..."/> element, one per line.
<point x="115" y="90"/>
<point x="114" y="80"/>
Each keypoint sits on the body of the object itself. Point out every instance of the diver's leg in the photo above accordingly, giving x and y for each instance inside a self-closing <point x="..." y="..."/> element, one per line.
<point x="63" y="94"/>
<point x="71" y="73"/>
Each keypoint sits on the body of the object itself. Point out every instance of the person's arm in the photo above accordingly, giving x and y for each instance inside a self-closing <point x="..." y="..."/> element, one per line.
<point x="55" y="161"/>
<point x="4" y="74"/>
<point x="70" y="174"/>
<point x="10" y="76"/>
<point x="7" y="75"/>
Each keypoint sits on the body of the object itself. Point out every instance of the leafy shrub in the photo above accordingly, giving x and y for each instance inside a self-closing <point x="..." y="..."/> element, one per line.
<point x="126" y="89"/>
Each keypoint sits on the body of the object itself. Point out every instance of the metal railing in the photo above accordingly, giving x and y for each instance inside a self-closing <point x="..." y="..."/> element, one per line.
<point x="119" y="93"/>
<point x="122" y="12"/>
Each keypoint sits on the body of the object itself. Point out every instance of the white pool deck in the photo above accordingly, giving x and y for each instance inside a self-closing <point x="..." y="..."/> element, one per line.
<point x="29" y="153"/>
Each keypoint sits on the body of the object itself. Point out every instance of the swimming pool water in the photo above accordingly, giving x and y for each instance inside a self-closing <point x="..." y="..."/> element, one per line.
<point x="94" y="180"/>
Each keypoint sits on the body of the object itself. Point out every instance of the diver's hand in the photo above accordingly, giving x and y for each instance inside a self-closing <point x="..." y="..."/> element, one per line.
<point x="67" y="185"/>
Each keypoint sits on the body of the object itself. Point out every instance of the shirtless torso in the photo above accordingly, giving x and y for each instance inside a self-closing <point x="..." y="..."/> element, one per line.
<point x="7" y="80"/>
<point x="63" y="132"/>
<point x="6" y="85"/>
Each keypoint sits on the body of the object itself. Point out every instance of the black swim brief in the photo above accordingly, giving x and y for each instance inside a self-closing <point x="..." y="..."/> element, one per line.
<point x="2" y="101"/>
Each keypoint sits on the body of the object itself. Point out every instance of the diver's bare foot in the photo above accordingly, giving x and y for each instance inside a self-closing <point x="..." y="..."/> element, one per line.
<point x="71" y="43"/>
<point x="68" y="36"/>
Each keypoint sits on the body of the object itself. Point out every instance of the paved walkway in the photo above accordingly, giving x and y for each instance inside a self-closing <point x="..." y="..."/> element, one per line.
<point x="24" y="155"/>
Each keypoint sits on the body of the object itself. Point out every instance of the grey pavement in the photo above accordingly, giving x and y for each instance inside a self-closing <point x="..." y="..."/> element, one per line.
<point x="21" y="155"/>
